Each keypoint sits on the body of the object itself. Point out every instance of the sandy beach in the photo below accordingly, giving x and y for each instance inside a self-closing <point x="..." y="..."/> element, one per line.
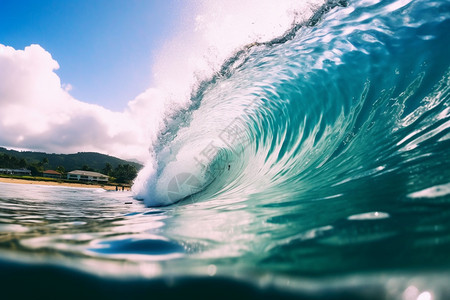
<point x="54" y="183"/>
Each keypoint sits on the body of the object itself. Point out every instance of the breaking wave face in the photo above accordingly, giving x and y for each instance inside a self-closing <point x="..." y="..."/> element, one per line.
<point x="351" y="104"/>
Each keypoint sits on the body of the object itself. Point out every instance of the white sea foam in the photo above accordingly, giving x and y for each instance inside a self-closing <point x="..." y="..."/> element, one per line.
<point x="432" y="192"/>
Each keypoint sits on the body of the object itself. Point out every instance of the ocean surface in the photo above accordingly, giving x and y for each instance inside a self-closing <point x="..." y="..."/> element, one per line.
<point x="315" y="165"/>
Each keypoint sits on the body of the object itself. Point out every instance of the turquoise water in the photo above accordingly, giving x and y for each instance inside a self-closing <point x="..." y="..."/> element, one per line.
<point x="316" y="165"/>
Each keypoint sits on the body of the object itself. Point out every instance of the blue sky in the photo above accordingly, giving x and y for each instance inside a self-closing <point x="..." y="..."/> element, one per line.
<point x="105" y="48"/>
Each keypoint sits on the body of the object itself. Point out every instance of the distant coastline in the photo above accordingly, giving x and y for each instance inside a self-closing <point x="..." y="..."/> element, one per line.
<point x="68" y="168"/>
<point x="61" y="183"/>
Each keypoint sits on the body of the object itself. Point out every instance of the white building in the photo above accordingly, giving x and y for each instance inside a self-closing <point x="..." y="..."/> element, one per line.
<point x="87" y="176"/>
<point x="21" y="172"/>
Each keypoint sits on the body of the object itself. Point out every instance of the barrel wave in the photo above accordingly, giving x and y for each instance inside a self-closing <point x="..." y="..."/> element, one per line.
<point x="354" y="100"/>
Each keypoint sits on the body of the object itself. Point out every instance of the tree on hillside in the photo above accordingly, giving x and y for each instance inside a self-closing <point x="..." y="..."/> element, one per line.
<point x="87" y="168"/>
<point x="108" y="169"/>
<point x="36" y="169"/>
<point x="22" y="163"/>
<point x="37" y="162"/>
<point x="42" y="164"/>
<point x="7" y="161"/>
<point x="60" y="169"/>
<point x="11" y="162"/>
<point x="124" y="173"/>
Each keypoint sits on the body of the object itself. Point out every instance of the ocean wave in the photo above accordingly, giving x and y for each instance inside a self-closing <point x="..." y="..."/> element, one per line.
<point x="358" y="93"/>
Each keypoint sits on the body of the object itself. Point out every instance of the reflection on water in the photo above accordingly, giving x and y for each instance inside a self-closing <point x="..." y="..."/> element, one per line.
<point x="85" y="225"/>
<point x="100" y="232"/>
<point x="42" y="219"/>
<point x="343" y="241"/>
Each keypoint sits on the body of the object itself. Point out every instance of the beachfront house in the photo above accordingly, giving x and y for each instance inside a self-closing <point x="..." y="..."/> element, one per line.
<point x="88" y="176"/>
<point x="51" y="174"/>
<point x="19" y="172"/>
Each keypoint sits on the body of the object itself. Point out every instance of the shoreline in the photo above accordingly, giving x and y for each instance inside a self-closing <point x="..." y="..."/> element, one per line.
<point x="68" y="184"/>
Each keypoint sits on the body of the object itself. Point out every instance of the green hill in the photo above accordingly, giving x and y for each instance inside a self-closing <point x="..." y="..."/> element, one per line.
<point x="81" y="160"/>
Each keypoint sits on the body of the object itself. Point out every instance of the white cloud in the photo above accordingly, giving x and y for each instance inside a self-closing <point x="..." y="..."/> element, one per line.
<point x="37" y="112"/>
